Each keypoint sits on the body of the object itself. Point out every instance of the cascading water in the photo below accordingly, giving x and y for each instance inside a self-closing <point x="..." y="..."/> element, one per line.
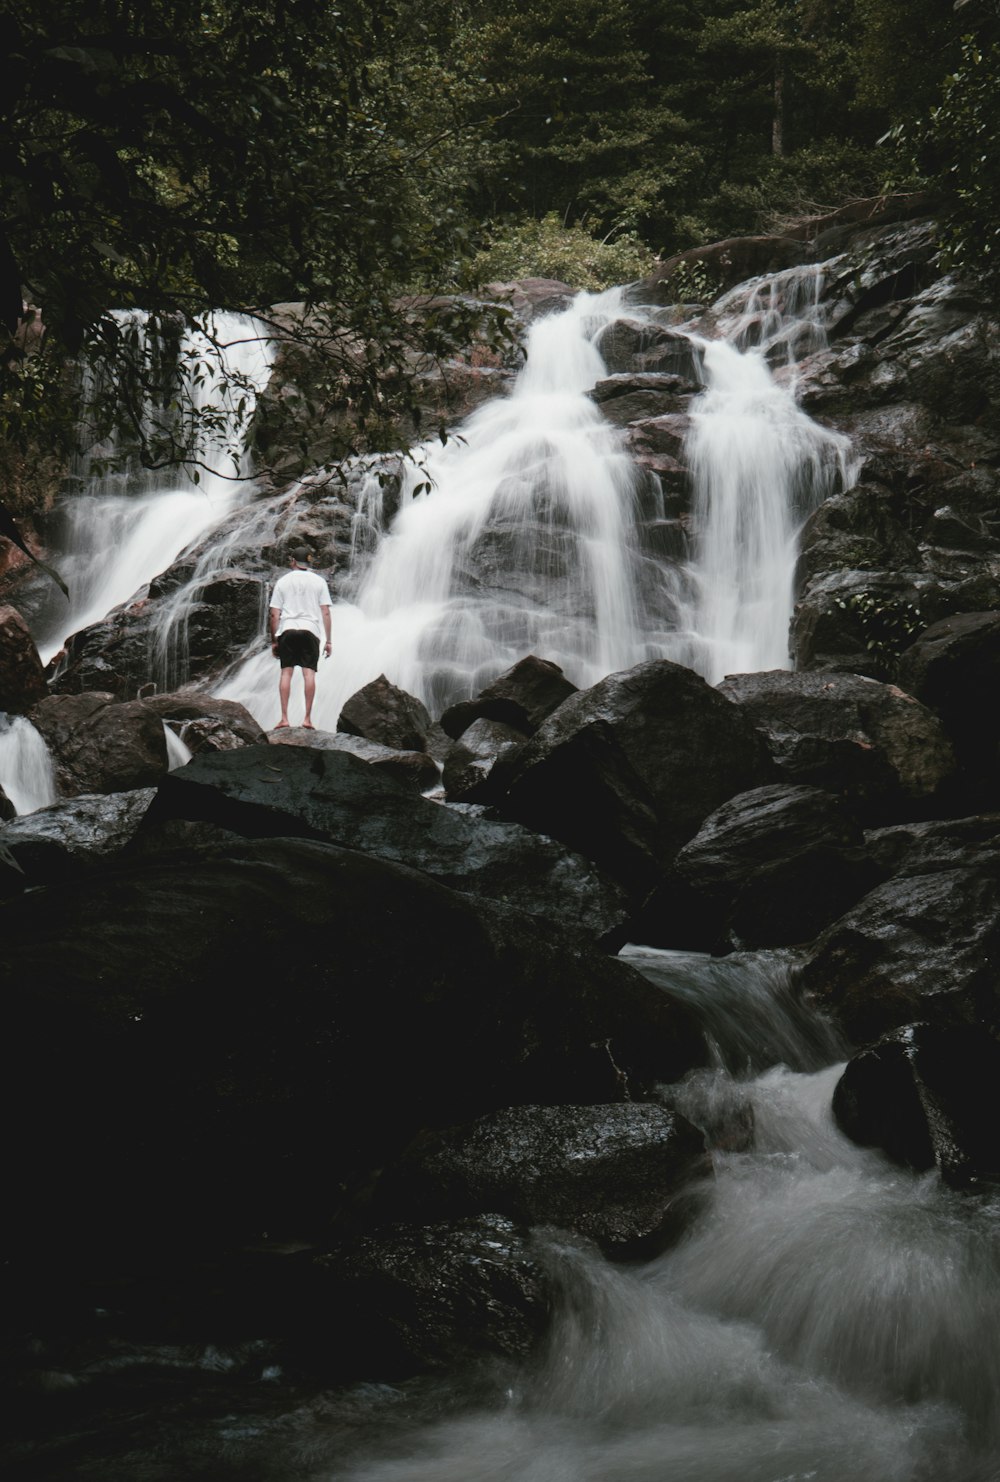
<point x="518" y="536"/>
<point x="26" y="774"/>
<point x="759" y="467"/>
<point x="523" y="534"/>
<point x="127" y="525"/>
<point x="827" y="1317"/>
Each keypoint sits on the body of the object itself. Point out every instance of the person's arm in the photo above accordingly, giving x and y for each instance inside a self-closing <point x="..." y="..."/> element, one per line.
<point x="275" y="618"/>
<point x="327" y="628"/>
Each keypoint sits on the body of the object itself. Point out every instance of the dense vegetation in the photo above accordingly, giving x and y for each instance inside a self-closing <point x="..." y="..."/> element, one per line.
<point x="173" y="155"/>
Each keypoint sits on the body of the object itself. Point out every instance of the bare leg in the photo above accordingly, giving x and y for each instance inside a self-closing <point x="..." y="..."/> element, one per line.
<point x="284" y="690"/>
<point x="309" y="682"/>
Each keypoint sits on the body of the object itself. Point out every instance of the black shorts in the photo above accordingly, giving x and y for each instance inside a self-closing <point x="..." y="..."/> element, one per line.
<point x="298" y="647"/>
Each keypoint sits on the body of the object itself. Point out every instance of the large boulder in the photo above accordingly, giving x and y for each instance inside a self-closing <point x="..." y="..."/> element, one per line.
<point x="192" y="1035"/>
<point x="922" y="946"/>
<point x="63" y="840"/>
<point x="98" y="745"/>
<point x="627" y="770"/>
<point x="954" y="668"/>
<point x="872" y="743"/>
<point x="522" y="697"/>
<point x="22" y="678"/>
<point x="205" y="723"/>
<point x="775" y="865"/>
<point x="415" y="770"/>
<point x="470" y="759"/>
<point x="610" y="1173"/>
<point x="930" y="1098"/>
<point x="411" y="1297"/>
<point x="384" y="713"/>
<point x="264" y="791"/>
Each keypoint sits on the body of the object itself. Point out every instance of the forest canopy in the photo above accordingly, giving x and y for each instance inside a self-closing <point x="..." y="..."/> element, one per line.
<point x="178" y="155"/>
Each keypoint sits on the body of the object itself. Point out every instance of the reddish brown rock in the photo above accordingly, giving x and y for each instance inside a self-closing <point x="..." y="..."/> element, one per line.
<point x="22" y="679"/>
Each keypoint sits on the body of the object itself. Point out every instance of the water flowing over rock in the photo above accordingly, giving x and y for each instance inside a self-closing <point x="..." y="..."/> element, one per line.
<point x="100" y="746"/>
<point x="248" y="1059"/>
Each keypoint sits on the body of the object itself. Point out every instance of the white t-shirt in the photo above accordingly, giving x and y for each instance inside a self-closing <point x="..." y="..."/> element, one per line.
<point x="299" y="595"/>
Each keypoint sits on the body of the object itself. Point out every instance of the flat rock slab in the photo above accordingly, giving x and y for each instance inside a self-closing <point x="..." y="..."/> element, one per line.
<point x="297" y="791"/>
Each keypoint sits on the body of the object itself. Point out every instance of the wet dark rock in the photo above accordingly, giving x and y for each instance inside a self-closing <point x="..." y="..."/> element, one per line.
<point x="774" y="866"/>
<point x="413" y="1297"/>
<point x="100" y="746"/>
<point x="919" y="848"/>
<point x="862" y="529"/>
<point x="470" y="760"/>
<point x="242" y="1002"/>
<point x="417" y="771"/>
<point x="876" y="746"/>
<point x="635" y="345"/>
<point x="225" y="615"/>
<point x="306" y="792"/>
<point x="627" y="770"/>
<point x="22" y="678"/>
<point x="384" y="713"/>
<point x="205" y="723"/>
<point x="7" y="809"/>
<point x="12" y="878"/>
<point x="930" y="1098"/>
<point x="522" y="697"/>
<point x="61" y="841"/>
<point x="626" y="398"/>
<point x="920" y="946"/>
<point x="659" y="438"/>
<point x="954" y="668"/>
<point x="610" y="1173"/>
<point x="109" y="657"/>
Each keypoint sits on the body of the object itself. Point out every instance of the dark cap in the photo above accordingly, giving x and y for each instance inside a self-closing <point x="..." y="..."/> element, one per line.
<point x="300" y="553"/>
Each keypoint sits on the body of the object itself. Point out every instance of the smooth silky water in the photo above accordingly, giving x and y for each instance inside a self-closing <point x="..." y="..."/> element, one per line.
<point x="523" y="533"/>
<point x="826" y="1317"/>
<point x="125" y="525"/>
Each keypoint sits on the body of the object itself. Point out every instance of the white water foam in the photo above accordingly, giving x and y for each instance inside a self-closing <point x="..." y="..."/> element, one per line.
<point x="131" y="524"/>
<point x="528" y="538"/>
<point x="26" y="774"/>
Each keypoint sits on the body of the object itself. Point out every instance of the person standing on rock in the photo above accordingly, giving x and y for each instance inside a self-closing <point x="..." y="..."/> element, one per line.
<point x="300" y="604"/>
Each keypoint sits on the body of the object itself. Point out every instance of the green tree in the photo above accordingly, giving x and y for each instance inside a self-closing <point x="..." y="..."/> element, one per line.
<point x="177" y="156"/>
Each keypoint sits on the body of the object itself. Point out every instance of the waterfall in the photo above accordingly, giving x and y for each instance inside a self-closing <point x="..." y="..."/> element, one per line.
<point x="127" y="524"/>
<point x="26" y="774"/>
<point x="759" y="467"/>
<point x="523" y="534"/>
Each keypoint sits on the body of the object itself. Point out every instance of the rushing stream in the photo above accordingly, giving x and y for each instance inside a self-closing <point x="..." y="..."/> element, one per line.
<point x="825" y="1318"/>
